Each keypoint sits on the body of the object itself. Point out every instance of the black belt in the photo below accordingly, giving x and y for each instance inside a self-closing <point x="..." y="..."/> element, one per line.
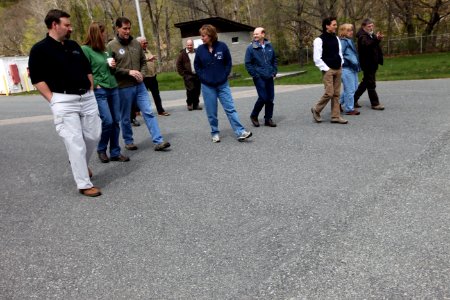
<point x="74" y="91"/>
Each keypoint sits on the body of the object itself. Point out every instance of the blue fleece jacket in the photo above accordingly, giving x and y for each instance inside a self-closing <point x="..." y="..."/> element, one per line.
<point x="350" y="55"/>
<point x="259" y="61"/>
<point x="213" y="67"/>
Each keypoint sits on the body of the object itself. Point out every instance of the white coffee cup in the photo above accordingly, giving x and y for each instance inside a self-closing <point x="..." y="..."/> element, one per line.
<point x="110" y="61"/>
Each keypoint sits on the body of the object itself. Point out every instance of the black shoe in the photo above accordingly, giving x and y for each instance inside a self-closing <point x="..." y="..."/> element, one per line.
<point x="190" y="107"/>
<point x="103" y="157"/>
<point x="120" y="158"/>
<point x="197" y="107"/>
<point x="255" y="121"/>
<point x="270" y="123"/>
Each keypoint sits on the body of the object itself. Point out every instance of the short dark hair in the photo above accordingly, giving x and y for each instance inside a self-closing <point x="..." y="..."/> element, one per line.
<point x="55" y="15"/>
<point x="366" y="21"/>
<point x="326" y="22"/>
<point x="122" y="20"/>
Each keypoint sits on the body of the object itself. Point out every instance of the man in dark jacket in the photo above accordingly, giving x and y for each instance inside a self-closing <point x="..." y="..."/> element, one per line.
<point x="370" y="56"/>
<point x="185" y="67"/>
<point x="261" y="64"/>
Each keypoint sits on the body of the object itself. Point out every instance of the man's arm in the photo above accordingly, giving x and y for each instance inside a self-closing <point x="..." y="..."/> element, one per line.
<point x="91" y="80"/>
<point x="43" y="88"/>
<point x="249" y="62"/>
<point x="318" y="55"/>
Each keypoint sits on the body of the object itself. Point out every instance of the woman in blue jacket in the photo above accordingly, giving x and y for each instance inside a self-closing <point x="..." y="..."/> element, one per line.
<point x="350" y="69"/>
<point x="213" y="65"/>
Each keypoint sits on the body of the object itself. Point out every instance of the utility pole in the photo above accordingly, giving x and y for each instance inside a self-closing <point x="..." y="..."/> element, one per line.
<point x="138" y="10"/>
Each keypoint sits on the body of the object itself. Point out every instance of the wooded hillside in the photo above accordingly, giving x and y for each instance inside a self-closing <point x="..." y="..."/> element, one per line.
<point x="290" y="24"/>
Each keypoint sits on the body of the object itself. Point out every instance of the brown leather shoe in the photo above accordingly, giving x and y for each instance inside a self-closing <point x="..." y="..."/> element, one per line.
<point x="255" y="121"/>
<point x="270" y="123"/>
<point x="353" y="113"/>
<point x="378" y="107"/>
<point x="120" y="158"/>
<point x="91" y="192"/>
<point x="316" y="115"/>
<point x="103" y="157"/>
<point x="131" y="147"/>
<point x="339" y="120"/>
<point x="164" y="114"/>
<point x="162" y="146"/>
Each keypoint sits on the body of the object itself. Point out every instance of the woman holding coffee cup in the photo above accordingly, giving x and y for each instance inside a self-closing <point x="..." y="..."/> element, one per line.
<point x="106" y="92"/>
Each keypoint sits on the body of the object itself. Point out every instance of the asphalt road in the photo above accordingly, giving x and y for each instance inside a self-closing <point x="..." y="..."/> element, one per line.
<point x="301" y="211"/>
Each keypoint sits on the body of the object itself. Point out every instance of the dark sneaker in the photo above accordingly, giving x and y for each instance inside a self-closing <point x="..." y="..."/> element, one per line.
<point x="131" y="147"/>
<point x="120" y="158"/>
<point x="255" y="121"/>
<point x="162" y="146"/>
<point x="103" y="157"/>
<point x="244" y="135"/>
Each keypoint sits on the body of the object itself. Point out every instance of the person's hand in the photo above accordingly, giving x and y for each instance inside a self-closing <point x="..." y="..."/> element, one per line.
<point x="112" y="64"/>
<point x="152" y="58"/>
<point x="137" y="75"/>
<point x="380" y="35"/>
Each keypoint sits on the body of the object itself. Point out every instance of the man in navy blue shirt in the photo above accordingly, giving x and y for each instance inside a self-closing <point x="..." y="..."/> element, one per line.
<point x="261" y="64"/>
<point x="62" y="74"/>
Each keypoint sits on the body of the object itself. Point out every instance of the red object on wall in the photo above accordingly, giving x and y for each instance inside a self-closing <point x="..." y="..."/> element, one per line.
<point x="14" y="72"/>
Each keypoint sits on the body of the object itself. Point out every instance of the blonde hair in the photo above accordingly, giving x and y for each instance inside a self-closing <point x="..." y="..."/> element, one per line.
<point x="343" y="29"/>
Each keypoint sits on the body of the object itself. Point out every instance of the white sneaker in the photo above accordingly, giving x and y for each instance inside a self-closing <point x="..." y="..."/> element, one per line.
<point x="216" y="138"/>
<point x="244" y="135"/>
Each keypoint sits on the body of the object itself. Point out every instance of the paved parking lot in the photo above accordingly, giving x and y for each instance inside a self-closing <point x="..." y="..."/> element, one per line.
<point x="301" y="211"/>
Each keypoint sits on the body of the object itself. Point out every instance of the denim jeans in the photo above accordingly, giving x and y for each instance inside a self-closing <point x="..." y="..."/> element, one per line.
<point x="138" y="94"/>
<point x="350" y="82"/>
<point x="223" y="92"/>
<point x="265" y="89"/>
<point x="108" y="102"/>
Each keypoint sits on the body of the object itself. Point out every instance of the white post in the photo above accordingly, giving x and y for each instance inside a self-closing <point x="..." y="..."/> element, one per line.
<point x="138" y="10"/>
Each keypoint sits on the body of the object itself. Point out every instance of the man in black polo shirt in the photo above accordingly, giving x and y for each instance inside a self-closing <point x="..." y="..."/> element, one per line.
<point x="62" y="74"/>
<point x="328" y="58"/>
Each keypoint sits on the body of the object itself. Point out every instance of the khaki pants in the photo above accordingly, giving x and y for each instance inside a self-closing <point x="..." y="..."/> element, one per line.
<point x="77" y="121"/>
<point x="332" y="82"/>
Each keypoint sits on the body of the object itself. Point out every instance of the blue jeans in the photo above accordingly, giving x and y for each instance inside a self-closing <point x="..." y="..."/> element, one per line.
<point x="139" y="95"/>
<point x="223" y="92"/>
<point x="108" y="102"/>
<point x="350" y="81"/>
<point x="266" y="93"/>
